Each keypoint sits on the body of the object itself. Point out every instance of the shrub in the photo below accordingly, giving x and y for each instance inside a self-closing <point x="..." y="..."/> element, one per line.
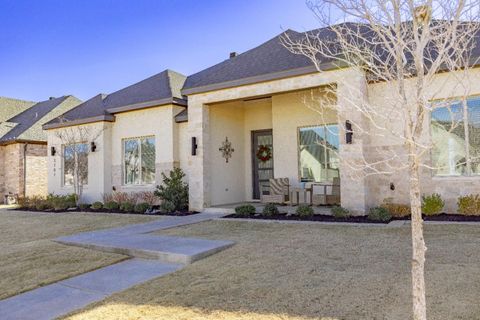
<point x="340" y="212"/>
<point x="97" y="205"/>
<point x="120" y="197"/>
<point x="32" y="202"/>
<point x="270" y="210"/>
<point x="148" y="197"/>
<point x="42" y="205"/>
<point x="127" y="207"/>
<point x="432" y="204"/>
<point x="304" y="211"/>
<point x="469" y="205"/>
<point x="246" y="210"/>
<point x="379" y="214"/>
<point x="83" y="206"/>
<point x="107" y="197"/>
<point x="22" y="202"/>
<point x="173" y="192"/>
<point x="397" y="210"/>
<point x="141" y="207"/>
<point x="111" y="205"/>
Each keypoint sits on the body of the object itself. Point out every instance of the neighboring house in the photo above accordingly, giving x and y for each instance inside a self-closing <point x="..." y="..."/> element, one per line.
<point x="23" y="144"/>
<point x="266" y="96"/>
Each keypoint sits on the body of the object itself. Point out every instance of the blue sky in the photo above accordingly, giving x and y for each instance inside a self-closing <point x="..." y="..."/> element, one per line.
<point x="84" y="47"/>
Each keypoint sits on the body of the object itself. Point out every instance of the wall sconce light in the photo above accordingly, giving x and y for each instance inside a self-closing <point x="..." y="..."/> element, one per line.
<point x="348" y="132"/>
<point x="93" y="146"/>
<point x="194" y="146"/>
<point x="53" y="151"/>
<point x="392" y="186"/>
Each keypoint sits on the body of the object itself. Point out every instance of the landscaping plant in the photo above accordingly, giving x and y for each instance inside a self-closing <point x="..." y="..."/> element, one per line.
<point x="397" y="210"/>
<point x="97" y="205"/>
<point x="127" y="207"/>
<point x="304" y="211"/>
<point x="340" y="212"/>
<point x="379" y="214"/>
<point x="173" y="191"/>
<point x="270" y="210"/>
<point x="142" y="207"/>
<point x="469" y="205"/>
<point x="111" y="205"/>
<point x="432" y="204"/>
<point x="246" y="210"/>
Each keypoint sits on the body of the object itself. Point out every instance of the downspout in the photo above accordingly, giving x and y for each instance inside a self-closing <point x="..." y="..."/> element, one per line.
<point x="25" y="169"/>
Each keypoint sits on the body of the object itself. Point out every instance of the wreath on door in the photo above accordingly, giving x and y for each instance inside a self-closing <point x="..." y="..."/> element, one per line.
<point x="264" y="153"/>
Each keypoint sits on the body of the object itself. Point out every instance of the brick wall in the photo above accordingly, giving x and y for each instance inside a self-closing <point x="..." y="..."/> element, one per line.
<point x="36" y="170"/>
<point x="12" y="169"/>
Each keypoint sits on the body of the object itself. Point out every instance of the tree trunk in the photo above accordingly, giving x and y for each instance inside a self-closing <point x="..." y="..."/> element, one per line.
<point x="418" y="242"/>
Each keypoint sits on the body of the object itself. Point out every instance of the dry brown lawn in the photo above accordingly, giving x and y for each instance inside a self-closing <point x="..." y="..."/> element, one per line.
<point x="279" y="271"/>
<point x="28" y="257"/>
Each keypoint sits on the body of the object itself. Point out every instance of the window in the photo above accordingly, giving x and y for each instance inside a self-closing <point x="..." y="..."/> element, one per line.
<point x="139" y="160"/>
<point x="455" y="134"/>
<point x="75" y="154"/>
<point x="317" y="153"/>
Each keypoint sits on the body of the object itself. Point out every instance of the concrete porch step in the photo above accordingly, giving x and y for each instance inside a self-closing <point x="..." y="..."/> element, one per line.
<point x="164" y="248"/>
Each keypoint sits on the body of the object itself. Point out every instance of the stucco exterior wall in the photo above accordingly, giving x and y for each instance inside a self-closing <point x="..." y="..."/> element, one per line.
<point x="99" y="163"/>
<point x="158" y="122"/>
<point x="105" y="165"/>
<point x="184" y="147"/>
<point x="227" y="178"/>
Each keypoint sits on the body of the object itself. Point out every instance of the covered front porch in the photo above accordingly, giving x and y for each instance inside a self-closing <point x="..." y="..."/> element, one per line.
<point x="247" y="135"/>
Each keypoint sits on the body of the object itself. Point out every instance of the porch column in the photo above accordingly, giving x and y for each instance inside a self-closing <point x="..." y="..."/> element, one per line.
<point x="351" y="92"/>
<point x="198" y="168"/>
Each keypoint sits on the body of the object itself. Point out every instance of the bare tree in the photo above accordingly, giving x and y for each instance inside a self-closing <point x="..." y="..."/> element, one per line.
<point x="77" y="143"/>
<point x="405" y="43"/>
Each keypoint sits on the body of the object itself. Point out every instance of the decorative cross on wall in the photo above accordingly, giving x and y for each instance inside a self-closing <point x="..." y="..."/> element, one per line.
<point x="226" y="149"/>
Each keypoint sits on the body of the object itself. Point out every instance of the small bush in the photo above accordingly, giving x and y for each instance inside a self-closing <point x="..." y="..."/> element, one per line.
<point x="148" y="197"/>
<point x="270" y="210"/>
<point x="397" y="210"/>
<point x="111" y="205"/>
<point x="173" y="192"/>
<point x="22" y="202"/>
<point x="33" y="201"/>
<point x="246" y="210"/>
<point x="127" y="207"/>
<point x="304" y="211"/>
<point x="83" y="206"/>
<point x="432" y="204"/>
<point x="97" y="205"/>
<point x="379" y="214"/>
<point x="42" y="206"/>
<point x="141" y="207"/>
<point x="340" y="212"/>
<point x="469" y="205"/>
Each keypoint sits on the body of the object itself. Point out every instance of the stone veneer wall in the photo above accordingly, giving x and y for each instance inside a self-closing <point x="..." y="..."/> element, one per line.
<point x="36" y="182"/>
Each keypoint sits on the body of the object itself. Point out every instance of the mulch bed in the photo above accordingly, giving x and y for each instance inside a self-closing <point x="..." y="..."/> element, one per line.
<point x="316" y="217"/>
<point x="357" y="219"/>
<point x="176" y="214"/>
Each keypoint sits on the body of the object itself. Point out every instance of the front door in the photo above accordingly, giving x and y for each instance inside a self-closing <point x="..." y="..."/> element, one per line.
<point x="262" y="160"/>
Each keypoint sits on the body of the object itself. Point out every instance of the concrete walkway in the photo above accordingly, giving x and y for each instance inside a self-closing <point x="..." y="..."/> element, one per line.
<point x="168" y="254"/>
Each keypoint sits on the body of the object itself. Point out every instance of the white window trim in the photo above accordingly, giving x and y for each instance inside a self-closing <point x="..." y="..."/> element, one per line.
<point x="141" y="184"/>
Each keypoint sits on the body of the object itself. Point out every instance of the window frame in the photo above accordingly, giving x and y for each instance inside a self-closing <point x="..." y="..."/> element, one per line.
<point x="63" y="164"/>
<point x="139" y="141"/>
<point x="299" y="174"/>
<point x="435" y="104"/>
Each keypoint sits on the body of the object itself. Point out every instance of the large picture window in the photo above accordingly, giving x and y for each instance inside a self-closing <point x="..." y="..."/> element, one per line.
<point x="455" y="132"/>
<point x="139" y="160"/>
<point x="318" y="153"/>
<point x="75" y="157"/>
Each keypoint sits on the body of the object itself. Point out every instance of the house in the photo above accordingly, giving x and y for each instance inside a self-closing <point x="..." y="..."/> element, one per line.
<point x="23" y="144"/>
<point x="213" y="123"/>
